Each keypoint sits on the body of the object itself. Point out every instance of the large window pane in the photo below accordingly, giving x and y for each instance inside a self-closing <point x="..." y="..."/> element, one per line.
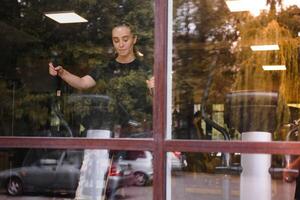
<point x="34" y="103"/>
<point x="234" y="69"/>
<point x="210" y="176"/>
<point x="75" y="174"/>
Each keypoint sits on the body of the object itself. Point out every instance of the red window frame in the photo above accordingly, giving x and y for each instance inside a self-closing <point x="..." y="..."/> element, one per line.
<point x="158" y="144"/>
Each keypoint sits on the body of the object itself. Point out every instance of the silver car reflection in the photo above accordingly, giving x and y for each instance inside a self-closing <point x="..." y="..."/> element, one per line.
<point x="141" y="163"/>
<point x="57" y="171"/>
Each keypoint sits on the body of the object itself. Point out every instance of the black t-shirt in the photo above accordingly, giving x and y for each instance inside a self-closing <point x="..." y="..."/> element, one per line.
<point x="125" y="84"/>
<point x="115" y="69"/>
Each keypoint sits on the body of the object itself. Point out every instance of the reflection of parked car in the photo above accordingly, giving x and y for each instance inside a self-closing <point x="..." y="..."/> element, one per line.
<point x="56" y="171"/>
<point x="141" y="163"/>
<point x="178" y="161"/>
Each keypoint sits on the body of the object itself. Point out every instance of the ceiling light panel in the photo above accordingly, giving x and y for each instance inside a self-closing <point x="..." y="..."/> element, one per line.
<point x="237" y="6"/>
<point x="273" y="47"/>
<point x="273" y="67"/>
<point x="66" y="17"/>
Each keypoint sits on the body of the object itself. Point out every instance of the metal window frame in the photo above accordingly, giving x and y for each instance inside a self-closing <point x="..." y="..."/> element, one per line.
<point x="158" y="144"/>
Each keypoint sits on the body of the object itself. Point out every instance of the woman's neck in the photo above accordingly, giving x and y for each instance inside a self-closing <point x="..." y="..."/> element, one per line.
<point x="125" y="59"/>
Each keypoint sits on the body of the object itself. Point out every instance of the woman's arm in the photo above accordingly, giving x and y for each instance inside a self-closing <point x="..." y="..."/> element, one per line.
<point x="77" y="82"/>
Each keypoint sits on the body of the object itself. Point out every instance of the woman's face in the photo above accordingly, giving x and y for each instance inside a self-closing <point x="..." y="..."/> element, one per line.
<point x="123" y="41"/>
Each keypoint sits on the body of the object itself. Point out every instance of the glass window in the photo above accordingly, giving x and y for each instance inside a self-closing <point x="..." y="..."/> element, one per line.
<point x="101" y="57"/>
<point x="75" y="174"/>
<point x="218" y="175"/>
<point x="234" y="69"/>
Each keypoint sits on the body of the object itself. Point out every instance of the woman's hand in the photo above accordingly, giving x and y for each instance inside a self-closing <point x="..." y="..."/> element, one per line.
<point x="55" y="71"/>
<point x="150" y="84"/>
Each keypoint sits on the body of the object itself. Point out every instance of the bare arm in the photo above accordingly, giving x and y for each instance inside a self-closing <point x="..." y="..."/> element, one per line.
<point x="77" y="82"/>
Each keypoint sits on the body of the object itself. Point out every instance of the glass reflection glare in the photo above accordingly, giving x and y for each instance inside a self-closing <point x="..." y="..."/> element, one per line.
<point x="235" y="53"/>
<point x="207" y="177"/>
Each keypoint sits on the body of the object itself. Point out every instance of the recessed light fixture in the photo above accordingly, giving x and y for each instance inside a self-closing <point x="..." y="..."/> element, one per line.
<point x="296" y="105"/>
<point x="298" y="34"/>
<point x="237" y="6"/>
<point x="246" y="5"/>
<point x="273" y="67"/>
<point x="65" y="17"/>
<point x="272" y="47"/>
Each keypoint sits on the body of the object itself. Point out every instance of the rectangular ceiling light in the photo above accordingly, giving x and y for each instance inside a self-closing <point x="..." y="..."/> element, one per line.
<point x="273" y="67"/>
<point x="237" y="6"/>
<point x="273" y="47"/>
<point x="296" y="105"/>
<point x="246" y="5"/>
<point x="65" y="17"/>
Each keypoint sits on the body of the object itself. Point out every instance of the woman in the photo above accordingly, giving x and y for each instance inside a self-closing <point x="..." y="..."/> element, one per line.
<point x="125" y="77"/>
<point x="127" y="84"/>
<point x="123" y="40"/>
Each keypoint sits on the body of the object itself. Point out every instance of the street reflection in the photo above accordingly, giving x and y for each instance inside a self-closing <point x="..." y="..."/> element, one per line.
<point x="210" y="176"/>
<point x="77" y="174"/>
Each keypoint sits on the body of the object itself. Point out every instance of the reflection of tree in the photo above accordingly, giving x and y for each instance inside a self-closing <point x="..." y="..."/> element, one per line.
<point x="273" y="4"/>
<point x="212" y="44"/>
<point x="6" y="109"/>
<point x="203" y="29"/>
<point x="203" y="34"/>
<point x="290" y="81"/>
<point x="206" y="34"/>
<point x="269" y="28"/>
<point x="28" y="37"/>
<point x="251" y="62"/>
